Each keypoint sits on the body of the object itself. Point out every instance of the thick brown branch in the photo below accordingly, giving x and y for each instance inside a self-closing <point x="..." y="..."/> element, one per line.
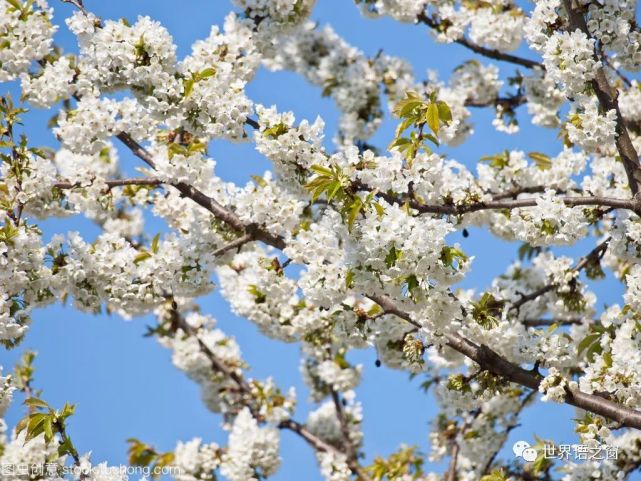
<point x="486" y="52"/>
<point x="491" y="361"/>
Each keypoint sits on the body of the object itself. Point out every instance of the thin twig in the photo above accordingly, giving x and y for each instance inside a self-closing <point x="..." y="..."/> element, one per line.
<point x="593" y="255"/>
<point x="113" y="183"/>
<point x="486" y="52"/>
<point x="289" y="424"/>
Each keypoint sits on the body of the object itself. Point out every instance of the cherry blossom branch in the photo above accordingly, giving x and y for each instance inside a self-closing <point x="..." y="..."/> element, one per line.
<point x="499" y="202"/>
<point x="481" y="354"/>
<point x="486" y="52"/>
<point x="78" y="4"/>
<point x="509" y="102"/>
<point x="352" y="455"/>
<point x="528" y="397"/>
<point x="493" y="362"/>
<point x="220" y="212"/>
<point x="451" y="470"/>
<point x="289" y="424"/>
<point x="569" y="201"/>
<point x="594" y="255"/>
<point x="607" y="96"/>
<point x="552" y="322"/>
<point x="235" y="244"/>
<point x="113" y="183"/>
<point x="618" y="72"/>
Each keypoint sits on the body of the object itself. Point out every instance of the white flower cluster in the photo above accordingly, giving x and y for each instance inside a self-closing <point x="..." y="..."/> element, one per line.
<point x="554" y="386"/>
<point x="86" y="129"/>
<point x="569" y="60"/>
<point x="613" y="23"/>
<point x="345" y="74"/>
<point x="26" y="35"/>
<point x="55" y="83"/>
<point x="252" y="452"/>
<point x="324" y="423"/>
<point x="195" y="460"/>
<point x="6" y="392"/>
<point x="18" y="452"/>
<point x="590" y="129"/>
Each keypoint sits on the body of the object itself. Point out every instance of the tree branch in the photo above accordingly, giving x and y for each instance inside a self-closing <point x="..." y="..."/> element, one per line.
<point x="500" y="202"/>
<point x="551" y="322"/>
<point x="289" y="424"/>
<point x="490" y="361"/>
<point x="451" y="470"/>
<point x="607" y="96"/>
<point x="113" y="183"/>
<point x="486" y="52"/>
<point x="594" y="254"/>
<point x="352" y="455"/>
<point x="220" y="212"/>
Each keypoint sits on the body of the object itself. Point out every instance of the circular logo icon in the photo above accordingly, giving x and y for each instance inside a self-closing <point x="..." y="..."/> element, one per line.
<point x="519" y="447"/>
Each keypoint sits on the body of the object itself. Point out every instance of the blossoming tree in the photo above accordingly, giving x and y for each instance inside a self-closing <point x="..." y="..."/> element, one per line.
<point x="340" y="249"/>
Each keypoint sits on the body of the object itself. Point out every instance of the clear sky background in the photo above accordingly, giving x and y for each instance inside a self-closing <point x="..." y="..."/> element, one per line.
<point x="125" y="385"/>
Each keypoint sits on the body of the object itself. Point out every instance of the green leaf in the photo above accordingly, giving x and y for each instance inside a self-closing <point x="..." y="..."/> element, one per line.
<point x="35" y="426"/>
<point x="542" y="161"/>
<point x="403" y="126"/>
<point x="487" y="311"/>
<point x="48" y="429"/>
<point x="15" y="4"/>
<point x="259" y="297"/>
<point x="143" y="256"/>
<point x="495" y="475"/>
<point x="333" y="189"/>
<point x="452" y="257"/>
<point x="321" y="170"/>
<point x="412" y="284"/>
<point x="349" y="279"/>
<point x="587" y="341"/>
<point x="444" y="112"/>
<point x="607" y="358"/>
<point x="380" y="210"/>
<point x="188" y="86"/>
<point x="67" y="410"/>
<point x="276" y="131"/>
<point x="154" y="243"/>
<point x="208" y="72"/>
<point x="259" y="180"/>
<point x="432" y="117"/>
<point x="354" y="210"/>
<point x="36" y="403"/>
<point x="393" y="255"/>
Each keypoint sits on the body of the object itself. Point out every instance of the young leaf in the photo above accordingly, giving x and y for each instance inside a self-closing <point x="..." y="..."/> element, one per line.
<point x="154" y="244"/>
<point x="432" y="117"/>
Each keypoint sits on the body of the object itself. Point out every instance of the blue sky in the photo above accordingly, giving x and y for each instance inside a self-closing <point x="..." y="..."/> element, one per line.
<point x="124" y="384"/>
